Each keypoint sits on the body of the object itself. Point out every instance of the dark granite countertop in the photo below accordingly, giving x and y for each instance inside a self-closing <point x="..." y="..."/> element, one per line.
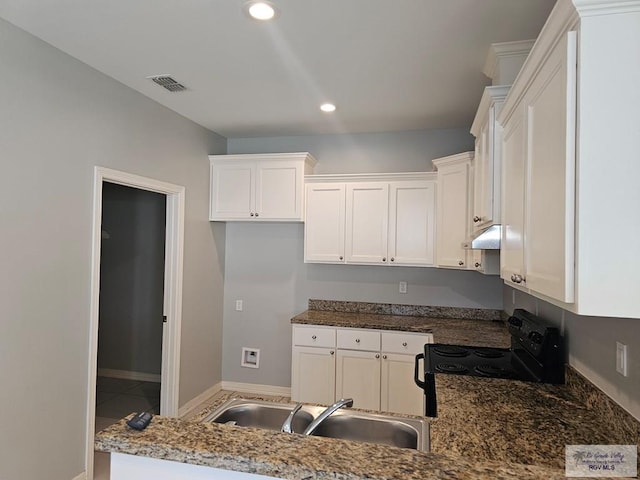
<point x="459" y="331"/>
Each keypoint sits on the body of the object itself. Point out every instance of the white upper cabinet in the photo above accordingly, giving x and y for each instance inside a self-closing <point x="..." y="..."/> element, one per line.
<point x="258" y="187"/>
<point x="453" y="209"/>
<point x="487" y="161"/>
<point x="412" y="222"/>
<point x="570" y="168"/>
<point x="324" y="222"/>
<point x="378" y="219"/>
<point x="367" y="222"/>
<point x="539" y="168"/>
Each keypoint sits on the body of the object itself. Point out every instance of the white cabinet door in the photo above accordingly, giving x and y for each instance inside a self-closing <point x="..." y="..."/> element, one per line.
<point x="313" y="375"/>
<point x="412" y="223"/>
<point x="358" y="377"/>
<point x="324" y="223"/>
<point x="232" y="190"/>
<point x="513" y="184"/>
<point x="480" y="177"/>
<point x="279" y="190"/>
<point x="399" y="393"/>
<point x="453" y="208"/>
<point x="551" y="120"/>
<point x="367" y="220"/>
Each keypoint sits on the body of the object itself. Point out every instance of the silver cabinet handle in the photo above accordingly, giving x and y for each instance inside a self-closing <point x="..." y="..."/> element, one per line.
<point x="460" y="262"/>
<point x="331" y="352"/>
<point x="313" y="337"/>
<point x="393" y="259"/>
<point x="357" y="340"/>
<point x="384" y="357"/>
<point x="404" y="344"/>
<point x="518" y="278"/>
<point x="384" y="259"/>
<point x="340" y="257"/>
<point x="513" y="278"/>
<point x="477" y="264"/>
<point x="257" y="214"/>
<point x="251" y="214"/>
<point x="377" y="355"/>
<point x="476" y="219"/>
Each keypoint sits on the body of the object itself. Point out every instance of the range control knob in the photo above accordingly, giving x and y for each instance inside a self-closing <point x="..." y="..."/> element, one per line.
<point x="535" y="337"/>
<point x="515" y="321"/>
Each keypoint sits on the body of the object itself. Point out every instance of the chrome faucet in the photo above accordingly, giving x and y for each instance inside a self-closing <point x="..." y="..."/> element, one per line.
<point x="345" y="402"/>
<point x="287" y="426"/>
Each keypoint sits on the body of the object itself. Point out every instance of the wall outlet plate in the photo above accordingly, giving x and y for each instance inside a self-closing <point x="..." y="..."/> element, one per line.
<point x="621" y="359"/>
<point x="402" y="288"/>
<point x="239" y="305"/>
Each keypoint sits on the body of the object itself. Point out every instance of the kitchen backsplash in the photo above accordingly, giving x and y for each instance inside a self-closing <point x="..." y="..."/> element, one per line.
<point x="407" y="310"/>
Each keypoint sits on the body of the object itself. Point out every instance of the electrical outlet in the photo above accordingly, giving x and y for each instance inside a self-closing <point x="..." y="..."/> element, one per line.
<point x="621" y="359"/>
<point x="402" y="287"/>
<point x="238" y="305"/>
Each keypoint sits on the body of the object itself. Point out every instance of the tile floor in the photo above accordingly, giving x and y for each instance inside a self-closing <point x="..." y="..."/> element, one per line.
<point x="116" y="398"/>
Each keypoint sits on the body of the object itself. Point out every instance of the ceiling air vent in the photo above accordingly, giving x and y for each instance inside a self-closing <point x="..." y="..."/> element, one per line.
<point x="169" y="83"/>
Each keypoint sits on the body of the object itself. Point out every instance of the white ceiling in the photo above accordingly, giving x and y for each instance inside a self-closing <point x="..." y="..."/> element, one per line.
<point x="388" y="64"/>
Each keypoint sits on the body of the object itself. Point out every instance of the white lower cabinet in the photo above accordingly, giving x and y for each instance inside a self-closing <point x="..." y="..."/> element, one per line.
<point x="373" y="367"/>
<point x="358" y="377"/>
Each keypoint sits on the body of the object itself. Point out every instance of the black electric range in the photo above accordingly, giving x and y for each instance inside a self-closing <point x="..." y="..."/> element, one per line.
<point x="536" y="355"/>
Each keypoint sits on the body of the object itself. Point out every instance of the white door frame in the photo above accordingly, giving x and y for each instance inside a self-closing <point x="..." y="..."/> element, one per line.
<point x="174" y="253"/>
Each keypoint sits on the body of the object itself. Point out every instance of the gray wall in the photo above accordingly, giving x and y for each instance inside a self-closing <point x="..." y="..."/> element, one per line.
<point x="131" y="279"/>
<point x="591" y="346"/>
<point x="410" y="151"/>
<point x="265" y="268"/>
<point x="60" y="118"/>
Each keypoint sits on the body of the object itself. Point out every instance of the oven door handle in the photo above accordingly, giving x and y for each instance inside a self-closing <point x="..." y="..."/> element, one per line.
<point x="416" y="371"/>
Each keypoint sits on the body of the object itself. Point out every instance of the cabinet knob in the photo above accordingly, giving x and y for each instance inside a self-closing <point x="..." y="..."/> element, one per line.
<point x="357" y="340"/>
<point x="313" y="337"/>
<point x="384" y="259"/>
<point x="384" y="357"/>
<point x="518" y="278"/>
<point x="341" y="257"/>
<point x="257" y="214"/>
<point x="513" y="278"/>
<point x="477" y="264"/>
<point x="331" y="352"/>
<point x="460" y="262"/>
<point x="377" y="355"/>
<point x="251" y="214"/>
<point x="393" y="259"/>
<point x="404" y="344"/>
<point x="476" y="219"/>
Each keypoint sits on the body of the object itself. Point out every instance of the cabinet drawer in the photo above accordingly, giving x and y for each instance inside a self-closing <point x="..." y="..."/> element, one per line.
<point x="402" y="342"/>
<point x="314" y="337"/>
<point x="359" y="340"/>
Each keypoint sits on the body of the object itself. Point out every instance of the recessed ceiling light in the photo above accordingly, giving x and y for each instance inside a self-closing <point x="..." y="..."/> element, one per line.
<point x="261" y="10"/>
<point x="328" y="107"/>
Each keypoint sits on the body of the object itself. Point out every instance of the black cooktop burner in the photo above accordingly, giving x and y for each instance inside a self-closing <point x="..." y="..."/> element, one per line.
<point x="451" y="368"/>
<point x="493" y="371"/>
<point x="451" y="351"/>
<point x="489" y="353"/>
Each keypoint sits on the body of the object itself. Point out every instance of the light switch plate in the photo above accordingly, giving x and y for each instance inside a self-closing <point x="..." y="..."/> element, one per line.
<point x="621" y="359"/>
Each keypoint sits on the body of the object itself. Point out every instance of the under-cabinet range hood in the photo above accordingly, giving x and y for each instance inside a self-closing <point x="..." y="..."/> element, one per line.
<point x="487" y="239"/>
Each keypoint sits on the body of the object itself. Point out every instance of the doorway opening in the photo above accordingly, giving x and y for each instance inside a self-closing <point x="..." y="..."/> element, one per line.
<point x="135" y="317"/>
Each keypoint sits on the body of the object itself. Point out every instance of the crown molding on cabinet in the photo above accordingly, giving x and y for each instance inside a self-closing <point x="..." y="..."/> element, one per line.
<point x="489" y="97"/>
<point x="453" y="159"/>
<point x="502" y="51"/>
<point x="588" y="8"/>
<point x="304" y="156"/>
<point x="369" y="177"/>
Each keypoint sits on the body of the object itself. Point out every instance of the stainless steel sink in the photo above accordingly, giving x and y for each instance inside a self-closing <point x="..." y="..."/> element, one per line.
<point x="346" y="424"/>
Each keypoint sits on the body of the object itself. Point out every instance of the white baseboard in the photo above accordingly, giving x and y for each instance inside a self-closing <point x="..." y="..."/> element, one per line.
<point x="195" y="402"/>
<point x="126" y="375"/>
<point x="82" y="476"/>
<point x="257" y="389"/>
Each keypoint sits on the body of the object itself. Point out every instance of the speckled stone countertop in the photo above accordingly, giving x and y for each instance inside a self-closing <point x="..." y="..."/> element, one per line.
<point x="293" y="456"/>
<point x="519" y="422"/>
<point x="459" y="331"/>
